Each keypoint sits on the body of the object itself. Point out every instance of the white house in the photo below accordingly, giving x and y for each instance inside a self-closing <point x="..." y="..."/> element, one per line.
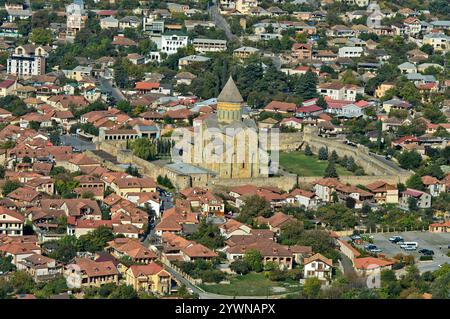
<point x="318" y="266"/>
<point x="339" y="91"/>
<point x="350" y="52"/>
<point x="170" y="44"/>
<point x="434" y="186"/>
<point x="407" y="67"/>
<point x="234" y="228"/>
<point x="325" y="187"/>
<point x="11" y="222"/>
<point x="301" y="198"/>
<point x="348" y="111"/>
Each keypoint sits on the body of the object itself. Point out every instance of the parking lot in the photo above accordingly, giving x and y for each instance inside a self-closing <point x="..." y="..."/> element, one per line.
<point x="438" y="242"/>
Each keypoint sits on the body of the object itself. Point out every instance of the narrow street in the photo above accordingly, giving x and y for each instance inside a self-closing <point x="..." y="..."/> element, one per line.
<point x="115" y="92"/>
<point x="220" y="21"/>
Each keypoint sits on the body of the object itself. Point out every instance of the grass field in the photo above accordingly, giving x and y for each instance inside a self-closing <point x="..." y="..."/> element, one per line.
<point x="302" y="165"/>
<point x="253" y="284"/>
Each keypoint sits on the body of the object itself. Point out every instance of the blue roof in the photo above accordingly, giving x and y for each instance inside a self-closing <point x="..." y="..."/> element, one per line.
<point x="152" y="128"/>
<point x="186" y="169"/>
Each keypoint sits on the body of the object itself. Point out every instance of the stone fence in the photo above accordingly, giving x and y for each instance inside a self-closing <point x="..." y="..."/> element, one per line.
<point x="374" y="167"/>
<point x="125" y="156"/>
<point x="286" y="182"/>
<point x="361" y="155"/>
<point x="362" y="180"/>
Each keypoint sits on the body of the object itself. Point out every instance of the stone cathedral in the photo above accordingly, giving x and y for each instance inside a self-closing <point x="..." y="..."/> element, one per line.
<point x="229" y="145"/>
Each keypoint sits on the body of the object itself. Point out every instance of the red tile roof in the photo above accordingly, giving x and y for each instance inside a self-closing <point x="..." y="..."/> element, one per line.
<point x="147" y="85"/>
<point x="368" y="263"/>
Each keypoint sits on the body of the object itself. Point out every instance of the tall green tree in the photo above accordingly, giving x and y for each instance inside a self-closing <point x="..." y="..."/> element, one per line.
<point x="253" y="258"/>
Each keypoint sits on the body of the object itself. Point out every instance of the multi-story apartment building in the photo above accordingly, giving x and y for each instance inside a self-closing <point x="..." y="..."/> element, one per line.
<point x="209" y="45"/>
<point x="169" y="44"/>
<point x="27" y="60"/>
<point x="359" y="3"/>
<point x="350" y="52"/>
<point x="412" y="25"/>
<point x="76" y="17"/>
<point x="153" y="26"/>
<point x="339" y="91"/>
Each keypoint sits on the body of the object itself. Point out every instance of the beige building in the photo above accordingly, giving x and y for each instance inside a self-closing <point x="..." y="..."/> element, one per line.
<point x="109" y="23"/>
<point x="209" y="45"/>
<point x="87" y="273"/>
<point x="382" y="89"/>
<point x="226" y="143"/>
<point x="384" y="193"/>
<point x="7" y="87"/>
<point x="149" y="278"/>
<point x="41" y="268"/>
<point x="244" y="6"/>
<point x="439" y="41"/>
<point x="126" y="185"/>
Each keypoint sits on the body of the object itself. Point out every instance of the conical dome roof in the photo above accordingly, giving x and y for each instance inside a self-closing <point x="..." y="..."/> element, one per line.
<point x="230" y="93"/>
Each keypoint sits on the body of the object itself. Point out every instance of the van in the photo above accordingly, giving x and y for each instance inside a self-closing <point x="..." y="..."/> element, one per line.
<point x="411" y="245"/>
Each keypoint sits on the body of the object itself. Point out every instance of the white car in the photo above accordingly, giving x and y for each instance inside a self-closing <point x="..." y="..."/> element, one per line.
<point x="409" y="245"/>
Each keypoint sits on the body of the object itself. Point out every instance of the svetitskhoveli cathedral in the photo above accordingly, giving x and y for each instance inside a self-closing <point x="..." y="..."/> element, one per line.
<point x="227" y="143"/>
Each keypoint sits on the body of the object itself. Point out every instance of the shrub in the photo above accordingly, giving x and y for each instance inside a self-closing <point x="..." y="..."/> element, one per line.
<point x="240" y="267"/>
<point x="423" y="258"/>
<point x="278" y="275"/>
<point x="397" y="266"/>
<point x="295" y="274"/>
<point x="308" y="151"/>
<point x="212" y="276"/>
<point x="323" y="154"/>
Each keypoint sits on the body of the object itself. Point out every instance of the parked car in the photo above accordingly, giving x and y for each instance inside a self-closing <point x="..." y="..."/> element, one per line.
<point x="395" y="239"/>
<point x="409" y="245"/>
<point x="372" y="248"/>
<point x="426" y="252"/>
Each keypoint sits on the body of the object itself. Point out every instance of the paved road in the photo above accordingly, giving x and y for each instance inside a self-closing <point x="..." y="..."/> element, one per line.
<point x="114" y="91"/>
<point x="347" y="266"/>
<point x="207" y="295"/>
<point x="388" y="162"/>
<point x="74" y="141"/>
<point x="221" y="22"/>
<point x="166" y="201"/>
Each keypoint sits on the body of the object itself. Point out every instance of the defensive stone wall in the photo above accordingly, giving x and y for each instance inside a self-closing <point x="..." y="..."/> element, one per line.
<point x="370" y="164"/>
<point x="286" y="182"/>
<point x="360" y="180"/>
<point x="124" y="156"/>
<point x="375" y="168"/>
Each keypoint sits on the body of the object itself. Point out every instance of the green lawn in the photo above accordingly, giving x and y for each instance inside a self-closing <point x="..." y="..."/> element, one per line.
<point x="302" y="165"/>
<point x="253" y="284"/>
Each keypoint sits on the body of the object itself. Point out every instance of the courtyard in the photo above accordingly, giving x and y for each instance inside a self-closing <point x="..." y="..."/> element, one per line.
<point x="253" y="284"/>
<point x="302" y="165"/>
